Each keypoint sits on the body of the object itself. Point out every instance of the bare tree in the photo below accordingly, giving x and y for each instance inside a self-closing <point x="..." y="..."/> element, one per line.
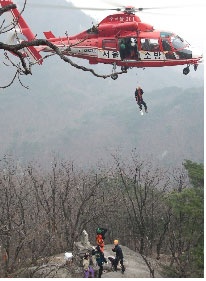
<point x="143" y="188"/>
<point x="13" y="215"/>
<point x="43" y="213"/>
<point x="79" y="199"/>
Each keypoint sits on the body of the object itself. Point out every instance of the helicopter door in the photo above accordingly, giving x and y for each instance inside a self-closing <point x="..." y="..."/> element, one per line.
<point x="128" y="48"/>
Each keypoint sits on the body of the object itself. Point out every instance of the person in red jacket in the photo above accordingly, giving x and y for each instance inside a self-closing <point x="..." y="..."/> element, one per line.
<point x="138" y="96"/>
<point x="100" y="237"/>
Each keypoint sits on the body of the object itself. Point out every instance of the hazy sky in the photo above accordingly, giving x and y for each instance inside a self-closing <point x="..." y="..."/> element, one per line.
<point x="187" y="20"/>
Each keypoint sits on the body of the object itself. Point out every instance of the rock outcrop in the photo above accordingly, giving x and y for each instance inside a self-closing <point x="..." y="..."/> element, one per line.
<point x="57" y="267"/>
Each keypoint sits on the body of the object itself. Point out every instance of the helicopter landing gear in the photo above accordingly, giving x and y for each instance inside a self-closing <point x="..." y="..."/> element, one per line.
<point x="186" y="70"/>
<point x="124" y="68"/>
<point x="195" y="67"/>
<point x="114" y="75"/>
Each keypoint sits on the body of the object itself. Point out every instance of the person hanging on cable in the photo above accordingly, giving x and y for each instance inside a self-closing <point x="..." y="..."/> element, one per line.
<point x="138" y="96"/>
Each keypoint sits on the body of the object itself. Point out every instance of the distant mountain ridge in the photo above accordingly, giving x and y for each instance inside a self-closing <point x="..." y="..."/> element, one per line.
<point x="76" y="115"/>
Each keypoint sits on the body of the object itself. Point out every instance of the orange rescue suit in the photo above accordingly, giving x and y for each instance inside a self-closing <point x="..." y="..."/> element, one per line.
<point x="100" y="241"/>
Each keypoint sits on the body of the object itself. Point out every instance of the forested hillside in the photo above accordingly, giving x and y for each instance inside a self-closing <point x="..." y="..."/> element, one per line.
<point x="158" y="213"/>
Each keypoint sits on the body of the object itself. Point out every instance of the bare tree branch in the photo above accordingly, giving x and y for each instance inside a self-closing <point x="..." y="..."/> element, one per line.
<point x="26" y="64"/>
<point x="7" y="8"/>
<point x="43" y="42"/>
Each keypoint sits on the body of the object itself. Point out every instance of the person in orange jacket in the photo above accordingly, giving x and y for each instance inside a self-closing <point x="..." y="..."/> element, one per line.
<point x="100" y="237"/>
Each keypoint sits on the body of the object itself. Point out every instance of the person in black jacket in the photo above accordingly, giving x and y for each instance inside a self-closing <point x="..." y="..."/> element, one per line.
<point x="119" y="256"/>
<point x="100" y="259"/>
<point x="138" y="96"/>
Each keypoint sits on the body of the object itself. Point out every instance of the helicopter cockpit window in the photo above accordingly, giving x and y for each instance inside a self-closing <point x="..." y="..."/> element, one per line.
<point x="151" y="45"/>
<point x="181" y="47"/>
<point x="178" y="43"/>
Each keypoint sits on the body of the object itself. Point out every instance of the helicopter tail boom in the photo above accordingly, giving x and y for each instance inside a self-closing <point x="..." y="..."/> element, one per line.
<point x="19" y="31"/>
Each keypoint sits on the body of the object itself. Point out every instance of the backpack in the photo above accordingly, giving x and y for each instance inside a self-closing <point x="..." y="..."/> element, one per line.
<point x="102" y="231"/>
<point x="100" y="259"/>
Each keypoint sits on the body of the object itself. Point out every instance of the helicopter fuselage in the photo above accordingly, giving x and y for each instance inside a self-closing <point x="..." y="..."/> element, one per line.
<point x="120" y="39"/>
<point x="144" y="46"/>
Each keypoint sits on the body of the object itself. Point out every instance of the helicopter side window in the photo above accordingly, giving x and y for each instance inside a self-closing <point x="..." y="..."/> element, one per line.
<point x="154" y="45"/>
<point x="145" y="44"/>
<point x="151" y="45"/>
<point x="109" y="44"/>
<point x="166" y="45"/>
<point x="167" y="49"/>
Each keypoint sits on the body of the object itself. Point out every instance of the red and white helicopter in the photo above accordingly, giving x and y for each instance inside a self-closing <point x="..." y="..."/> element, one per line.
<point x="120" y="39"/>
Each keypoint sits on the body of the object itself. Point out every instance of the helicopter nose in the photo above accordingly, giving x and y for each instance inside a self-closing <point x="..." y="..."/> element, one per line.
<point x="197" y="53"/>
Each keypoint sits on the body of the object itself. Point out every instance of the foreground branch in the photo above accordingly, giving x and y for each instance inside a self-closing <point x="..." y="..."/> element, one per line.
<point x="7" y="8"/>
<point x="25" y="64"/>
<point x="43" y="42"/>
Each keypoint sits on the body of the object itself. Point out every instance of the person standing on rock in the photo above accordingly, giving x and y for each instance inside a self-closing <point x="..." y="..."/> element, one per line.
<point x="100" y="259"/>
<point x="100" y="236"/>
<point x="119" y="256"/>
<point x="87" y="266"/>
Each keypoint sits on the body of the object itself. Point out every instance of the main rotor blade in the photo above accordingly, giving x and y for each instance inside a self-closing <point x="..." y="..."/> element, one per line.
<point x="119" y="9"/>
<point x="70" y="7"/>
<point x="122" y="7"/>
